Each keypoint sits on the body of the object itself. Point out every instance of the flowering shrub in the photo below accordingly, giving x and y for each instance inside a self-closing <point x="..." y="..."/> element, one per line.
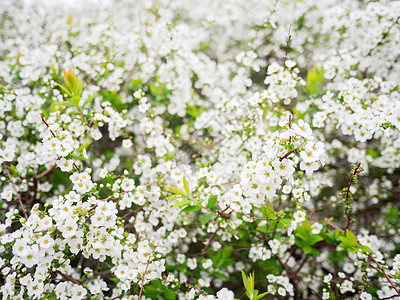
<point x="200" y="150"/>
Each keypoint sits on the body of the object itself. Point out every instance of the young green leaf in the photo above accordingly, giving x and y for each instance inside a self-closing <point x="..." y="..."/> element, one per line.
<point x="176" y="190"/>
<point x="90" y="99"/>
<point x="206" y="218"/>
<point x="191" y="208"/>
<point x="261" y="296"/>
<point x="75" y="100"/>
<point x="351" y="237"/>
<point x="248" y="284"/>
<point x="64" y="89"/>
<point x="182" y="203"/>
<point x="186" y="185"/>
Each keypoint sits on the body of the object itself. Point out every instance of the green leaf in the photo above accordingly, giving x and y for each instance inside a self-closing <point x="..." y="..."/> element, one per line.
<point x="365" y="249"/>
<point x="304" y="230"/>
<point x="220" y="275"/>
<point x="352" y="249"/>
<point x="13" y="170"/>
<point x="115" y="99"/>
<point x="351" y="237"/>
<point x="345" y="242"/>
<point x="172" y="197"/>
<point x="79" y="88"/>
<point x="176" y="190"/>
<point x="64" y="89"/>
<point x="211" y="203"/>
<point x="206" y="218"/>
<point x="315" y="238"/>
<point x="90" y="99"/>
<point x="169" y="294"/>
<point x="186" y="185"/>
<point x="261" y="296"/>
<point x="75" y="100"/>
<point x="268" y="211"/>
<point x="182" y="203"/>
<point x="85" y="146"/>
<point x="307" y="250"/>
<point x="262" y="229"/>
<point x="191" y="208"/>
<point x="247" y="283"/>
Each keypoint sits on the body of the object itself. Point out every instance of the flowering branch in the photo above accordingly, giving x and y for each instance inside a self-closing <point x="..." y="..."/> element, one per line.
<point x="145" y="271"/>
<point x="16" y="191"/>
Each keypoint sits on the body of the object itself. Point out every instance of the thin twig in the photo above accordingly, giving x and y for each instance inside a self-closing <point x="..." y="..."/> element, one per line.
<point x="287" y="154"/>
<point x="48" y="126"/>
<point x="184" y="283"/>
<point x="329" y="223"/>
<point x="287" y="43"/>
<point x="68" y="278"/>
<point x="144" y="275"/>
<point x="384" y="35"/>
<point x="16" y="191"/>
<point x="365" y="281"/>
<point x="384" y="273"/>
<point x="44" y="173"/>
<point x="348" y="194"/>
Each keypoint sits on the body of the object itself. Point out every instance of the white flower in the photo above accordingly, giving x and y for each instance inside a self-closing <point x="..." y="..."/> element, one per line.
<point x="316" y="228"/>
<point x="309" y="167"/>
<point x="207" y="263"/>
<point x="103" y="173"/>
<point x="328" y="278"/>
<point x="326" y="295"/>
<point x="290" y="63"/>
<point x="65" y="165"/>
<point x="365" y="296"/>
<point x="299" y="216"/>
<point x="127" y="143"/>
<point x="281" y="291"/>
<point x="303" y="129"/>
<point x="192" y="263"/>
<point x="225" y="294"/>
<point x="46" y="241"/>
<point x="128" y="184"/>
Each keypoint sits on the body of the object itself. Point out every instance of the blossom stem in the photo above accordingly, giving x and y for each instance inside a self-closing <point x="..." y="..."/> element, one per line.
<point x="384" y="273"/>
<point x="16" y="191"/>
<point x="144" y="275"/>
<point x="348" y="194"/>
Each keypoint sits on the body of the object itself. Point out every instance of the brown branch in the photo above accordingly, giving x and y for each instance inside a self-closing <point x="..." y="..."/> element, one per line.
<point x="130" y="72"/>
<point x="97" y="73"/>
<point x="384" y="273"/>
<point x="287" y="154"/>
<point x="365" y="281"/>
<point x="16" y="191"/>
<point x="384" y="35"/>
<point x="348" y="194"/>
<point x="68" y="278"/>
<point x="44" y="121"/>
<point x="256" y="218"/>
<point x="229" y="250"/>
<point x="185" y="283"/>
<point x="318" y="207"/>
<point x="371" y="257"/>
<point x="144" y="275"/>
<point x="44" y="173"/>
<point x="287" y="43"/>
<point x="210" y="240"/>
<point x="329" y="223"/>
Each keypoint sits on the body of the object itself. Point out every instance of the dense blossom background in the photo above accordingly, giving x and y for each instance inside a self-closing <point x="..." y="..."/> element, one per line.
<point x="154" y="149"/>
